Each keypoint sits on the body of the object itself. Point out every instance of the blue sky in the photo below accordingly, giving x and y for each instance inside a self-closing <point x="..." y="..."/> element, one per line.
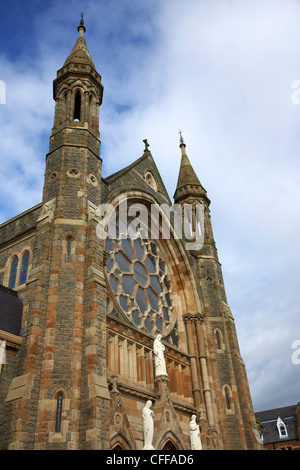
<point x="222" y="72"/>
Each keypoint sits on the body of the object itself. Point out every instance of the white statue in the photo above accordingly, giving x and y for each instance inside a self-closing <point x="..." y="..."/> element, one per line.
<point x="148" y="426"/>
<point x="159" y="360"/>
<point x="195" y="434"/>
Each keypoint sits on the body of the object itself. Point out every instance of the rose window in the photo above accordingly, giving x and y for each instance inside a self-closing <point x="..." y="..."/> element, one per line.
<point x="138" y="278"/>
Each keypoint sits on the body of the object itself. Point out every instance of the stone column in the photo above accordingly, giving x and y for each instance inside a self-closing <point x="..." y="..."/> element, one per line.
<point x="193" y="359"/>
<point x="203" y="364"/>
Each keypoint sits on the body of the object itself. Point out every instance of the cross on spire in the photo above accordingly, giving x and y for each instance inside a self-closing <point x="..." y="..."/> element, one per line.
<point x="81" y="24"/>
<point x="181" y="138"/>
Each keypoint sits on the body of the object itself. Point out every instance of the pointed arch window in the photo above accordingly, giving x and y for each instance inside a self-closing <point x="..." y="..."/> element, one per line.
<point x="24" y="268"/>
<point x="77" y="106"/>
<point x="13" y="272"/>
<point x="218" y="339"/>
<point x="228" y="398"/>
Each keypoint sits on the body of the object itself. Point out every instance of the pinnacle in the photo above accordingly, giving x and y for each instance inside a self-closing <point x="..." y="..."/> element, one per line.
<point x="80" y="53"/>
<point x="188" y="183"/>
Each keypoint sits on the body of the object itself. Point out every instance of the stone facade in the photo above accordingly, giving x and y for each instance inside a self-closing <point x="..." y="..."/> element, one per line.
<point x="84" y="368"/>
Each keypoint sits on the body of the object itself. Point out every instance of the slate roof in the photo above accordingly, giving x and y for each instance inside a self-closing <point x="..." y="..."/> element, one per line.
<point x="11" y="308"/>
<point x="269" y="418"/>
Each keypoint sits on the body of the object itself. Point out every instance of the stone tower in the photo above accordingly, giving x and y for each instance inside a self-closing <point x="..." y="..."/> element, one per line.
<point x="82" y="368"/>
<point x="63" y="358"/>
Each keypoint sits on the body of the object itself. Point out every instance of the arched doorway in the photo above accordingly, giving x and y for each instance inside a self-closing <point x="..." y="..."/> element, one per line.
<point x="169" y="445"/>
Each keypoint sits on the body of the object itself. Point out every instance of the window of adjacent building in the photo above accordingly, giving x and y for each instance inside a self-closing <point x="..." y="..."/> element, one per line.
<point x="13" y="272"/>
<point x="282" y="429"/>
<point x="24" y="268"/>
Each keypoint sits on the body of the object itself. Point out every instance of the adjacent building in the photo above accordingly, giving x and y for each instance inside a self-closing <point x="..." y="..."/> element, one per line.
<point x="280" y="428"/>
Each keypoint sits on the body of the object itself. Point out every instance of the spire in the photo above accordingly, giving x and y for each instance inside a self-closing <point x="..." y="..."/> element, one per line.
<point x="188" y="184"/>
<point x="77" y="89"/>
<point x="80" y="53"/>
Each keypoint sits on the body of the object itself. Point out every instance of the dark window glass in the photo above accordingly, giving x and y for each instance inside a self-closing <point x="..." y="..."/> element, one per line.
<point x="218" y="339"/>
<point x="77" y="106"/>
<point x="158" y="322"/>
<point x="123" y="303"/>
<point x="168" y="299"/>
<point x="69" y="248"/>
<point x="108" y="244"/>
<point x="113" y="283"/>
<point x="13" y="273"/>
<point x="153" y="299"/>
<point x="153" y="248"/>
<point x="128" y="284"/>
<point x="227" y="398"/>
<point x="141" y="300"/>
<point x="58" y="412"/>
<point x="24" y="268"/>
<point x="140" y="273"/>
<point x="126" y="246"/>
<point x="165" y="313"/>
<point x="162" y="265"/>
<point x="139" y="249"/>
<point x="136" y="317"/>
<point x="174" y="337"/>
<point x="282" y="430"/>
<point x="156" y="284"/>
<point x="148" y="324"/>
<point x="122" y="261"/>
<point x="109" y="263"/>
<point x="150" y="264"/>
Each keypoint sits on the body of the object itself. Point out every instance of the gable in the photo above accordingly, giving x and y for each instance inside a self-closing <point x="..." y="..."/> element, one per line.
<point x="134" y="177"/>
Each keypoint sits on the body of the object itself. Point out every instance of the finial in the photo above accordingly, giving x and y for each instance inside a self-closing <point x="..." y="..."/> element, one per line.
<point x="181" y="138"/>
<point x="81" y="24"/>
<point x="146" y="145"/>
<point x="182" y="144"/>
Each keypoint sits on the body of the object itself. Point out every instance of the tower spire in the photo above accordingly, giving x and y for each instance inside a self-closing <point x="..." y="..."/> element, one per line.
<point x="188" y="184"/>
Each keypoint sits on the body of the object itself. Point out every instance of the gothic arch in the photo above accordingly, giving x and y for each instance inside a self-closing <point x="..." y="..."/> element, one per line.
<point x="219" y="339"/>
<point x="170" y="442"/>
<point x="228" y="399"/>
<point x="119" y="442"/>
<point x="18" y="257"/>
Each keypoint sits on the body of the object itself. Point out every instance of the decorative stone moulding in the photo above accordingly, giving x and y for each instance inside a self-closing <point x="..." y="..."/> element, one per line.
<point x="73" y="173"/>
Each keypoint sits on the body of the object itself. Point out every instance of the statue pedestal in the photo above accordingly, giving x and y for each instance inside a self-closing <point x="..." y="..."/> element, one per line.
<point x="162" y="384"/>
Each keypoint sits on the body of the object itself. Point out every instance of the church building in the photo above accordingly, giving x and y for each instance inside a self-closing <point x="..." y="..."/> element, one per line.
<point x="125" y="340"/>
